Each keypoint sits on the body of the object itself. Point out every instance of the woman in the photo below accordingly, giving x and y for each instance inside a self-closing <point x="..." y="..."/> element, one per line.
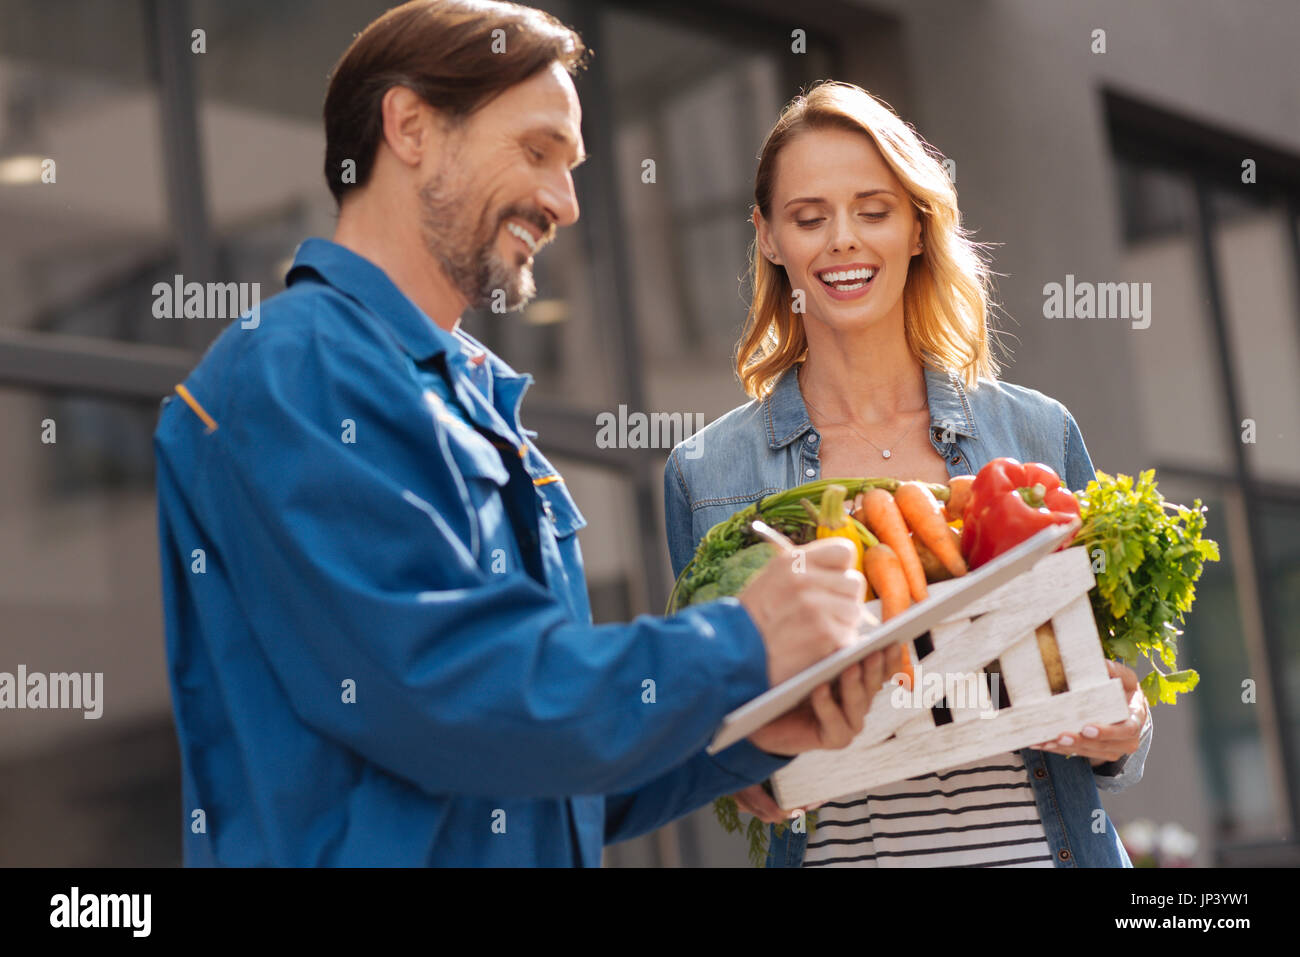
<point x="866" y="351"/>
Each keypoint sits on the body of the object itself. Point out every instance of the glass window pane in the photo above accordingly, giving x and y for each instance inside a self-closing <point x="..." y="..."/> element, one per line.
<point x="81" y="195"/>
<point x="1242" y="784"/>
<point x="702" y="123"/>
<point x="1259" y="280"/>
<point x="81" y="593"/>
<point x="1179" y="385"/>
<point x="1281" y="521"/>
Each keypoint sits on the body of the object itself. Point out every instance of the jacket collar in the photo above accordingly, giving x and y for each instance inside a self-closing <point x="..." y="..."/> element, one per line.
<point x="786" y="416"/>
<point x="361" y="280"/>
<point x="414" y="332"/>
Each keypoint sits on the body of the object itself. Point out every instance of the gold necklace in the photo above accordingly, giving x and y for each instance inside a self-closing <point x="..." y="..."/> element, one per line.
<point x="884" y="453"/>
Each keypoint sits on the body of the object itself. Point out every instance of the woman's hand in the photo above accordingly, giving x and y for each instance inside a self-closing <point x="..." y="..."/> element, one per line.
<point x="821" y="723"/>
<point x="1109" y="742"/>
<point x="756" y="801"/>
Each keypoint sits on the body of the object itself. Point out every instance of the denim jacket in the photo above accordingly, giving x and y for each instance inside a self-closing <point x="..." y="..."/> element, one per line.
<point x="770" y="445"/>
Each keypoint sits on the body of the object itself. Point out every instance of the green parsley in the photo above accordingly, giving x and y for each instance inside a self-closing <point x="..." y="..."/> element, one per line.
<point x="1147" y="555"/>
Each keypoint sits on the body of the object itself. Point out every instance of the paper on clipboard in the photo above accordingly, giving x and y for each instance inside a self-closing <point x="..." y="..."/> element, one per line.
<point x="911" y="624"/>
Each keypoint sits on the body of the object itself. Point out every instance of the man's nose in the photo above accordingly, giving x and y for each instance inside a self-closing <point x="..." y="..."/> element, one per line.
<point x="560" y="201"/>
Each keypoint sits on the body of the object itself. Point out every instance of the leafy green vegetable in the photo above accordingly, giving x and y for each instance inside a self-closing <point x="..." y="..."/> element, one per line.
<point x="784" y="512"/>
<point x="737" y="570"/>
<point x="1147" y="555"/>
<point x="728" y="814"/>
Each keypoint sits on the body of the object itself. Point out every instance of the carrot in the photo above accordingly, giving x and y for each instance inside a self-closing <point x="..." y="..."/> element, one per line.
<point x="958" y="496"/>
<point x="925" y="517"/>
<point x="885" y="573"/>
<point x="885" y="576"/>
<point x="881" y="515"/>
<point x="905" y="667"/>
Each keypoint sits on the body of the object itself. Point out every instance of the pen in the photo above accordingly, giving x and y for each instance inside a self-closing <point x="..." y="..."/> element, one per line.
<point x="772" y="536"/>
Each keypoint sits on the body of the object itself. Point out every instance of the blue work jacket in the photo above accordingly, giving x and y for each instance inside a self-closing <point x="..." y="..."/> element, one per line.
<point x="770" y="445"/>
<point x="378" y="634"/>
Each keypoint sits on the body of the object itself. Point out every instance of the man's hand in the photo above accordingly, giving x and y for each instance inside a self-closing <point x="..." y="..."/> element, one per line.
<point x="806" y="603"/>
<point x="1112" y="741"/>
<point x="823" y="723"/>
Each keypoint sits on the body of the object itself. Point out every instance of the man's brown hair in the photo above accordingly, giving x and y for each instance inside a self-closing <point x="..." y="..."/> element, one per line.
<point x="447" y="52"/>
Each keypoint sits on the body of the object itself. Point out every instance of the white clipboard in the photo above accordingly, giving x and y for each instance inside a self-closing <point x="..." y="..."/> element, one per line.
<point x="911" y="624"/>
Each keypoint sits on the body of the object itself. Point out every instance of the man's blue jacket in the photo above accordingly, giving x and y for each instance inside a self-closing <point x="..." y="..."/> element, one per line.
<point x="378" y="635"/>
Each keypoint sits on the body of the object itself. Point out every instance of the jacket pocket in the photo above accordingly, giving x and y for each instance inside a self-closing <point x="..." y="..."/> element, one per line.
<point x="558" y="505"/>
<point x="475" y="456"/>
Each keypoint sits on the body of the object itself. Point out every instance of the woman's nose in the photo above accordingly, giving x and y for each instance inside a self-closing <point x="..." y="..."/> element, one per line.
<point x="843" y="237"/>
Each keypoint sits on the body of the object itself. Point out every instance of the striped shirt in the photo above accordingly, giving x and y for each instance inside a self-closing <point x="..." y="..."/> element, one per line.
<point x="980" y="814"/>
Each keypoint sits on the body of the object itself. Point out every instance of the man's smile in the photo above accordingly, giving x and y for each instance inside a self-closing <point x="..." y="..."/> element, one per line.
<point x="524" y="233"/>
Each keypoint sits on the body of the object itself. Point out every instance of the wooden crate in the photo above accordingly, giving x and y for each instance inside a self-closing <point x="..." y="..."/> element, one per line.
<point x="900" y="740"/>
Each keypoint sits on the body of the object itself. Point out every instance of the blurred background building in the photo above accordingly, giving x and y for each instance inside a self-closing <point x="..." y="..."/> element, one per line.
<point x="1117" y="166"/>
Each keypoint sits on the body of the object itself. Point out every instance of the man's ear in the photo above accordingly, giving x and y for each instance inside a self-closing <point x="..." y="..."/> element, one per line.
<point x="764" y="237"/>
<point x="408" y="126"/>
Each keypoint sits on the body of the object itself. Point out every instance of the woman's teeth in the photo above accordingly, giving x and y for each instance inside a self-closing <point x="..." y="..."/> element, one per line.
<point x="849" y="279"/>
<point x="523" y="234"/>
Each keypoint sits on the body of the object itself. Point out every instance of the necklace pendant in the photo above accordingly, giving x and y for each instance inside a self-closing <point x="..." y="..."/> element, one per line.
<point x="884" y="453"/>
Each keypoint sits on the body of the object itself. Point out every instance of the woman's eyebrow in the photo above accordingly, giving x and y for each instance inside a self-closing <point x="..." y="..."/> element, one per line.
<point x="866" y="193"/>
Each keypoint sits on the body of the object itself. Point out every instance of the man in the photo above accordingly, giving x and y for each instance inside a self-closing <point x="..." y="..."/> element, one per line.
<point x="378" y="634"/>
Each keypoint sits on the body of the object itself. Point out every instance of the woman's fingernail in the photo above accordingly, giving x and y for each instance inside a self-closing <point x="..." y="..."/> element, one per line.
<point x="1066" y="740"/>
<point x="1090" y="732"/>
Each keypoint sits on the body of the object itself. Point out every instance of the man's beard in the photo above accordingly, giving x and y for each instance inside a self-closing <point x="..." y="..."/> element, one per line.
<point x="470" y="259"/>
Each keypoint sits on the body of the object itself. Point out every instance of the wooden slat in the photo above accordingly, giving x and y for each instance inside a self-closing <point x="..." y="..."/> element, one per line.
<point x="1052" y="586"/>
<point x="830" y="775"/>
<point x="1022" y="670"/>
<point x="1079" y="644"/>
<point x="965" y="693"/>
<point x="899" y="739"/>
<point x="1071" y="562"/>
<point x="924" y="721"/>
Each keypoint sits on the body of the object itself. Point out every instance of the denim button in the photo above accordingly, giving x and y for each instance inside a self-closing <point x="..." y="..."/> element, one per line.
<point x="810" y="472"/>
<point x="1063" y="854"/>
<point x="1040" y="773"/>
<point x="956" y="459"/>
<point x="812" y="439"/>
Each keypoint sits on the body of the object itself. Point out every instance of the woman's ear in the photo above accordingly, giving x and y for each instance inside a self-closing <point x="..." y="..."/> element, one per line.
<point x="764" y="238"/>
<point x="918" y="240"/>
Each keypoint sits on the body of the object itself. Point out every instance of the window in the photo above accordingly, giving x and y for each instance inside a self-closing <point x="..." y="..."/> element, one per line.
<point x="1210" y="219"/>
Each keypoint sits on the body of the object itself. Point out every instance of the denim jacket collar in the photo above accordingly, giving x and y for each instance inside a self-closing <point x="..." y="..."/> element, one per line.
<point x="786" y="416"/>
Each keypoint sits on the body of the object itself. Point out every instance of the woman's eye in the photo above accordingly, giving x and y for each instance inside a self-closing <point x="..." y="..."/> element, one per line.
<point x="874" y="217"/>
<point x="535" y="153"/>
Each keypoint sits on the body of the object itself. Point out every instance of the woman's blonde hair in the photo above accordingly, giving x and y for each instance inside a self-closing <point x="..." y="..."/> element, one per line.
<point x="946" y="297"/>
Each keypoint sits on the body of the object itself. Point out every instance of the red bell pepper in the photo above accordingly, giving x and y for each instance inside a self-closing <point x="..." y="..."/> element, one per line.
<point x="1010" y="502"/>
